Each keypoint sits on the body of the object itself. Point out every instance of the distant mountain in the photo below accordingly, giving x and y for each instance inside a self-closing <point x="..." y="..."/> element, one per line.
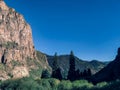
<point x="63" y="61"/>
<point x="110" y="72"/>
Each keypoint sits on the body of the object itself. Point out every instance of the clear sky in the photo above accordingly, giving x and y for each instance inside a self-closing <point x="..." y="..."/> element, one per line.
<point x="91" y="28"/>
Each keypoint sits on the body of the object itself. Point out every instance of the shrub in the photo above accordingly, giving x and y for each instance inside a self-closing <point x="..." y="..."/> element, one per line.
<point x="21" y="84"/>
<point x="10" y="75"/>
<point x="102" y="84"/>
<point x="45" y="74"/>
<point x="15" y="63"/>
<point x="48" y="84"/>
<point x="2" y="66"/>
<point x="9" y="85"/>
<point x="79" y="84"/>
<point x="35" y="73"/>
<point x="11" y="45"/>
<point x="29" y="85"/>
<point x="114" y="85"/>
<point x="65" y="85"/>
<point x="53" y="82"/>
<point x="44" y="83"/>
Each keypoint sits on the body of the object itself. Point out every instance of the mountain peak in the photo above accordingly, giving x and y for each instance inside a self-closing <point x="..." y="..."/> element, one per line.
<point x="118" y="51"/>
<point x="3" y="6"/>
<point x="118" y="55"/>
<point x="110" y="72"/>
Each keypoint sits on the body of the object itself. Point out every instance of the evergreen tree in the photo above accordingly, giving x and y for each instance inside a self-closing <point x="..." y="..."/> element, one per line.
<point x="56" y="71"/>
<point x="45" y="74"/>
<point x="77" y="74"/>
<point x="85" y="74"/>
<point x="89" y="72"/>
<point x="55" y="62"/>
<point x="81" y="74"/>
<point x="71" y="72"/>
<point x="57" y="74"/>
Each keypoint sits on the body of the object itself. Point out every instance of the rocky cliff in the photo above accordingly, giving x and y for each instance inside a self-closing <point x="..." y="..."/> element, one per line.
<point x="17" y="53"/>
<point x="15" y="35"/>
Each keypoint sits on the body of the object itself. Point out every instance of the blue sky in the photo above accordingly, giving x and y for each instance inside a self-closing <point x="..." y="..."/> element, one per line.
<point x="91" y="28"/>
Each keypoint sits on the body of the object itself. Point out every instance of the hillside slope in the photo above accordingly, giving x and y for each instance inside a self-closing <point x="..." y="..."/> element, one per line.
<point x="63" y="61"/>
<point x="110" y="72"/>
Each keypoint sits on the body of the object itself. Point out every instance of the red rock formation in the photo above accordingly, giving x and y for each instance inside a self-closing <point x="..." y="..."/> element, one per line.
<point x="17" y="53"/>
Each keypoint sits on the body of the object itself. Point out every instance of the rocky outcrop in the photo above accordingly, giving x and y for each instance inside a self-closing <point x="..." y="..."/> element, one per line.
<point x="110" y="72"/>
<point x="17" y="53"/>
<point x="15" y="35"/>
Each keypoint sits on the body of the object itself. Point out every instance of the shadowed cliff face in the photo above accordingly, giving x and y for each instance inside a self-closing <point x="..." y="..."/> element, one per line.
<point x="110" y="72"/>
<point x="17" y="53"/>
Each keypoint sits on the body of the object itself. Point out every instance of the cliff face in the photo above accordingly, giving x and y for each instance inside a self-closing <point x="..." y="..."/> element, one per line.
<point x="15" y="35"/>
<point x="17" y="53"/>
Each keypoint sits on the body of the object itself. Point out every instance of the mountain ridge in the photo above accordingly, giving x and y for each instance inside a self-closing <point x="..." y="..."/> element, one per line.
<point x="63" y="62"/>
<point x="110" y="72"/>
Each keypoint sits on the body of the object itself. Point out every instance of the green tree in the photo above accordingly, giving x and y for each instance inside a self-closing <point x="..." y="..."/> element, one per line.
<point x="55" y="62"/>
<point x="85" y="73"/>
<point x="56" y="71"/>
<point x="45" y="74"/>
<point x="89" y="72"/>
<point x="71" y="72"/>
<point x="77" y="74"/>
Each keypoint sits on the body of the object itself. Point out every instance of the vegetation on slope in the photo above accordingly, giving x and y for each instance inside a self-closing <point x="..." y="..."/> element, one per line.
<point x="63" y="61"/>
<point x="54" y="84"/>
